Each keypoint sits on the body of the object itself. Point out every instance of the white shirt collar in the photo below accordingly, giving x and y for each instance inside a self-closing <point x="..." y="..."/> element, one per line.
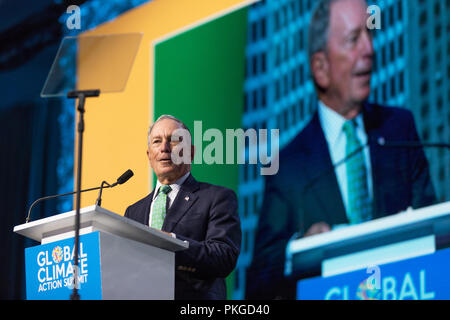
<point x="332" y="122"/>
<point x="174" y="186"/>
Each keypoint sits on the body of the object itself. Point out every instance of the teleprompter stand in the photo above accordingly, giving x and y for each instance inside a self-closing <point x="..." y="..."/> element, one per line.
<point x="81" y="95"/>
<point x="82" y="63"/>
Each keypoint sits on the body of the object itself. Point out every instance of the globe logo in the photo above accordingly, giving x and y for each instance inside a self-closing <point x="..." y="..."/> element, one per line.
<point x="366" y="292"/>
<point x="57" y="254"/>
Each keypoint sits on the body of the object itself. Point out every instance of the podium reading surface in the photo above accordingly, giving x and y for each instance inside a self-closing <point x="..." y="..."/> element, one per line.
<point x="118" y="259"/>
<point x="402" y="256"/>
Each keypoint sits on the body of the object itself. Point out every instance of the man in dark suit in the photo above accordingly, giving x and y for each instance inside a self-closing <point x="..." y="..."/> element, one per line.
<point x="203" y="214"/>
<point x="314" y="190"/>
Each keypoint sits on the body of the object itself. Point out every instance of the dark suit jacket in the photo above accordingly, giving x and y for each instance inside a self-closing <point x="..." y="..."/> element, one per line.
<point x="209" y="221"/>
<point x="305" y="191"/>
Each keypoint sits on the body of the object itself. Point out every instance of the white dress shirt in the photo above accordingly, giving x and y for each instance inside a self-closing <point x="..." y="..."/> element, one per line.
<point x="332" y="124"/>
<point x="175" y="188"/>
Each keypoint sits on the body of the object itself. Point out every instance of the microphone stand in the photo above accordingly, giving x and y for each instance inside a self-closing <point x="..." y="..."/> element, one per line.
<point x="98" y="202"/>
<point x="52" y="197"/>
<point x="380" y="141"/>
<point x="411" y="144"/>
<point x="81" y="95"/>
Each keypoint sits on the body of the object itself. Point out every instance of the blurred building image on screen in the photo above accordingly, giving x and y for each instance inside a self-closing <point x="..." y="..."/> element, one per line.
<point x="411" y="70"/>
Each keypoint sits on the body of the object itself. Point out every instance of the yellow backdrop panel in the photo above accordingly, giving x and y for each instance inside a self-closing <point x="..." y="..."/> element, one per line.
<point x="115" y="137"/>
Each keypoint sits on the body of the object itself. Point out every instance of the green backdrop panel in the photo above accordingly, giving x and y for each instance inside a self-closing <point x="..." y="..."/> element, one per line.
<point x="199" y="76"/>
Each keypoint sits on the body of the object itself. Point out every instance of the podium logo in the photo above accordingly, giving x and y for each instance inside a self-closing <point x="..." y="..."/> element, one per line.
<point x="57" y="254"/>
<point x="366" y="291"/>
<point x="401" y="286"/>
<point x="56" y="269"/>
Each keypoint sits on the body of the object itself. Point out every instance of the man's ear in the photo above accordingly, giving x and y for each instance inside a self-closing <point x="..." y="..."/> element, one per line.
<point x="320" y="69"/>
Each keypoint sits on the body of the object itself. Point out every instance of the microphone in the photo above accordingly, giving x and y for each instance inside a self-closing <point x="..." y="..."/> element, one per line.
<point x="410" y="144"/>
<point x="122" y="179"/>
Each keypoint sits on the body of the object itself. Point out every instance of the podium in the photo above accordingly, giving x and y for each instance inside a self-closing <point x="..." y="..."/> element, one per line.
<point x="118" y="258"/>
<point x="399" y="256"/>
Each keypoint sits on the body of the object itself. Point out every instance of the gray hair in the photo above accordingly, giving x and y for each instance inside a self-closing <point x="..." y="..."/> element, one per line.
<point x="319" y="28"/>
<point x="164" y="117"/>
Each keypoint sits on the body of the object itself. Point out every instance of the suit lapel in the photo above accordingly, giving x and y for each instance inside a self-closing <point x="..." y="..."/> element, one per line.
<point x="372" y="124"/>
<point x="323" y="182"/>
<point x="145" y="212"/>
<point x="184" y="200"/>
<point x="323" y="179"/>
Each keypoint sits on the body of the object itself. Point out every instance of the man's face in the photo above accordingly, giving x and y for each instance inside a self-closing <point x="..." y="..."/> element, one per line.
<point x="349" y="53"/>
<point x="159" y="152"/>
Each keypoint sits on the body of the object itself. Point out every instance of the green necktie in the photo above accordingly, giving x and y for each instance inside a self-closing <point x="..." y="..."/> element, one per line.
<point x="359" y="203"/>
<point x="159" y="207"/>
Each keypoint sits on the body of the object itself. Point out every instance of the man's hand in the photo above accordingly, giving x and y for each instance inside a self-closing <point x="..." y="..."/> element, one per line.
<point x="169" y="234"/>
<point x="318" y="228"/>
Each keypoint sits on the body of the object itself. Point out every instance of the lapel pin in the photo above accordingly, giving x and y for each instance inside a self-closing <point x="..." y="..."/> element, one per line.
<point x="186" y="198"/>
